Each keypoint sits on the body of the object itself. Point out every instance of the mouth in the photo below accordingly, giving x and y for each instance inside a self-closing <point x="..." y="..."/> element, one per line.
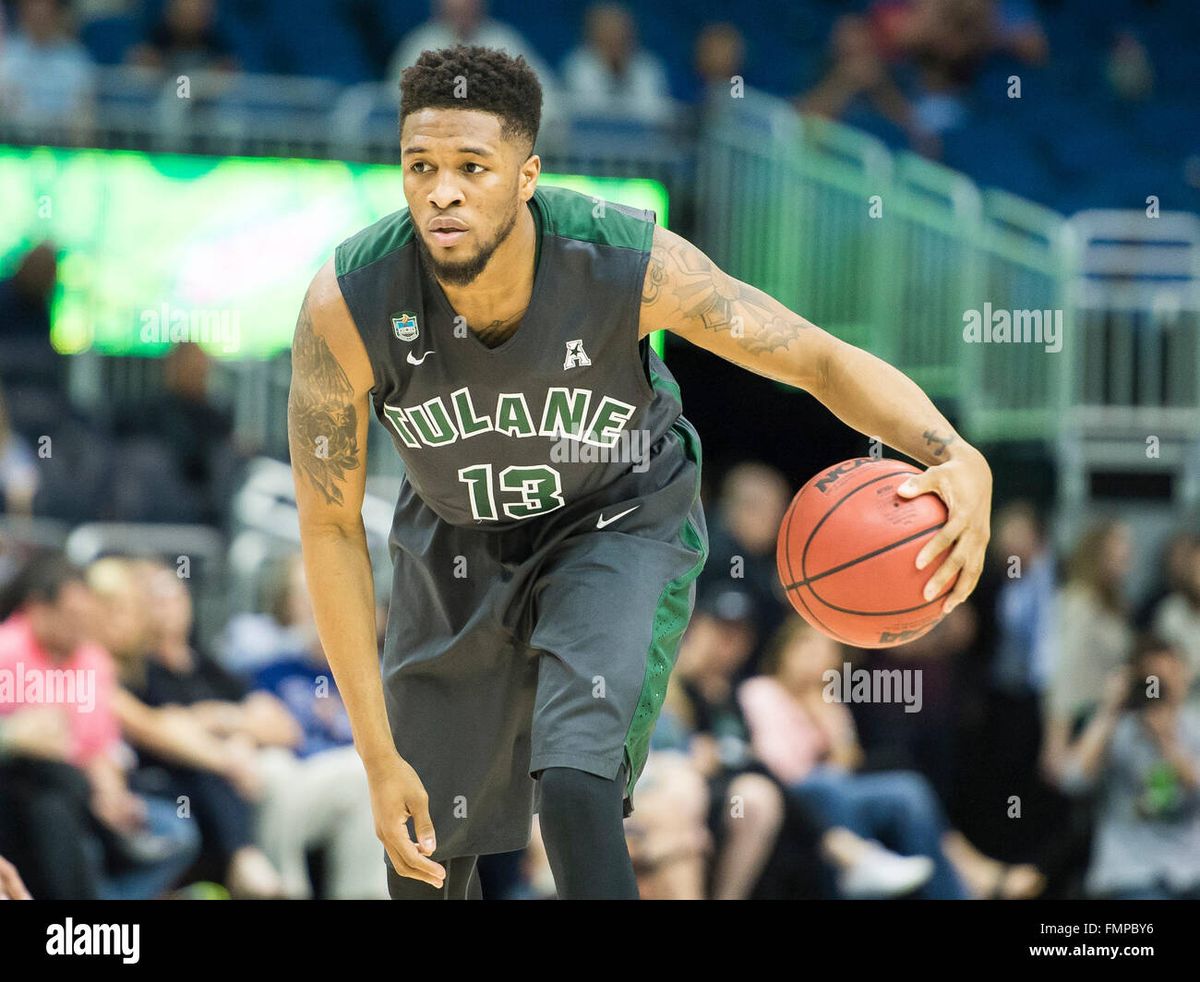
<point x="446" y="232"/>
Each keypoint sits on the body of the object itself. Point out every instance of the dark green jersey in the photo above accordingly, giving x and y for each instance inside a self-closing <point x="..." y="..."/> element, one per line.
<point x="492" y="437"/>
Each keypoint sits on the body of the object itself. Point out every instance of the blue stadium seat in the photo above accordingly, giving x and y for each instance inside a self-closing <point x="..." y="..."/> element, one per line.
<point x="311" y="37"/>
<point x="998" y="151"/>
<point x="109" y="38"/>
<point x="861" y="116"/>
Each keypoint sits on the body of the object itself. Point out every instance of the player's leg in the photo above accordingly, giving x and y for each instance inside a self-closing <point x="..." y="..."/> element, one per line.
<point x="461" y="883"/>
<point x="582" y="822"/>
<point x="609" y="613"/>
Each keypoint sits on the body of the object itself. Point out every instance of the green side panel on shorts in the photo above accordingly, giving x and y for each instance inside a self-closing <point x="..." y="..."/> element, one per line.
<point x="670" y="620"/>
<point x="372" y="243"/>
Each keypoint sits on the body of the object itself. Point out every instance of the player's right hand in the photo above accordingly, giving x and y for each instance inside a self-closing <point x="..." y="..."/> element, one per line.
<point x="397" y="793"/>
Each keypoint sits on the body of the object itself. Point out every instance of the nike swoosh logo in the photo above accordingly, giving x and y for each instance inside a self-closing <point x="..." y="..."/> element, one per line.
<point x="416" y="361"/>
<point x="601" y="521"/>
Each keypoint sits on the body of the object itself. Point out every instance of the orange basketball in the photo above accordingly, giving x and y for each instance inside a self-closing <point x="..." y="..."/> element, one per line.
<point x="847" y="554"/>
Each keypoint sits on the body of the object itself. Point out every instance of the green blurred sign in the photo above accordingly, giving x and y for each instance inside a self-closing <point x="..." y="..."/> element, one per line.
<point x="155" y="246"/>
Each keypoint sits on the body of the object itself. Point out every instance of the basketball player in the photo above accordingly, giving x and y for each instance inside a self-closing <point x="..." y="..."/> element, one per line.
<point x="549" y="529"/>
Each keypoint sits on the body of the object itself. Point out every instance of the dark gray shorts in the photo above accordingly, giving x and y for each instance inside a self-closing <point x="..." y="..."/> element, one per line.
<point x="545" y="644"/>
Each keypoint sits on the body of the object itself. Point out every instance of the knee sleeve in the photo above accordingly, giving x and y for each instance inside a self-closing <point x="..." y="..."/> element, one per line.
<point x="582" y="823"/>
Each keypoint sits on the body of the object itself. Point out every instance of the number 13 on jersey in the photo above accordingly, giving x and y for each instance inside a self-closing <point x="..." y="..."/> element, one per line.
<point x="537" y="489"/>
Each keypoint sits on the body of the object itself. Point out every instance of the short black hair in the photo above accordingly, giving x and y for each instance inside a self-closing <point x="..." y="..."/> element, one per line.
<point x="474" y="77"/>
<point x="41" y="580"/>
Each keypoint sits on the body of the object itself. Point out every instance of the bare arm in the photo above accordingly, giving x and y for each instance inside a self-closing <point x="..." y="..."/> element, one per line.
<point x="686" y="293"/>
<point x="260" y="716"/>
<point x="170" y="732"/>
<point x="328" y="413"/>
<point x="328" y="408"/>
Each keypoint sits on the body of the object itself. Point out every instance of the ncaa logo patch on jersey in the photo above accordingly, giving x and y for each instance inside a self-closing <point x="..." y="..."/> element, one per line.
<point x="404" y="324"/>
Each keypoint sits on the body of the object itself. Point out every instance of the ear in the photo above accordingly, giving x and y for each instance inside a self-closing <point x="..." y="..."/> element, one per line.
<point x="531" y="170"/>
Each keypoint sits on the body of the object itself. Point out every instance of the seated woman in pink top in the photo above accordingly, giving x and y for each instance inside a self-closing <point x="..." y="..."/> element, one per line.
<point x="810" y="744"/>
<point x="68" y="819"/>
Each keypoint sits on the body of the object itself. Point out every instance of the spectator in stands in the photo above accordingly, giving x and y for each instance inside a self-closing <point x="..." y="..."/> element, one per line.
<point x="179" y="755"/>
<point x="466" y="22"/>
<point x="858" y="80"/>
<point x="1173" y="569"/>
<point x="46" y="75"/>
<point x="1020" y="668"/>
<point x="252" y="641"/>
<point x="925" y="741"/>
<point x="186" y="39"/>
<point x="1177" y="618"/>
<point x="1141" y="750"/>
<point x="742" y="538"/>
<point x="610" y="75"/>
<point x="25" y="296"/>
<point x="667" y="834"/>
<point x="1005" y="748"/>
<point x="1019" y="33"/>
<point x="1129" y="68"/>
<point x="1092" y="636"/>
<point x="718" y="58"/>
<point x="25" y="299"/>
<point x="67" y="815"/>
<point x="18" y="468"/>
<point x="766" y="841"/>
<point x="193" y="443"/>
<point x="809" y="743"/>
<point x="317" y="791"/>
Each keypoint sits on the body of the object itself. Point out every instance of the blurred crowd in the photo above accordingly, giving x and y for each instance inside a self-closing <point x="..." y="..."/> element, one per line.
<point x="135" y="764"/>
<point x="1055" y="750"/>
<point x="1045" y="98"/>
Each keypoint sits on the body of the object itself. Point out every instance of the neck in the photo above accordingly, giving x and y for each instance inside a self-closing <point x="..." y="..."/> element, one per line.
<point x="505" y="286"/>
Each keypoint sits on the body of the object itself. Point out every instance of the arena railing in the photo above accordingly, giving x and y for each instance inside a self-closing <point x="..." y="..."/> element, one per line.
<point x="896" y="253"/>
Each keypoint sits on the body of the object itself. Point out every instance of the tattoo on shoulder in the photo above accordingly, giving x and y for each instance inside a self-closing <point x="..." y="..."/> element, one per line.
<point x="656" y="273"/>
<point x="322" y="423"/>
<point x="937" y="442"/>
<point x="682" y="275"/>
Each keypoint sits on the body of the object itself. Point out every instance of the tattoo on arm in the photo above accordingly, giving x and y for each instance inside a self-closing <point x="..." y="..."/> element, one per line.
<point x="322" y="423"/>
<point x="937" y="443"/>
<point x="656" y="273"/>
<point x="682" y="275"/>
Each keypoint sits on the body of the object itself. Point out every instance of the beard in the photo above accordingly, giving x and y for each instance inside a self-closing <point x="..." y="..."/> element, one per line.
<point x="466" y="270"/>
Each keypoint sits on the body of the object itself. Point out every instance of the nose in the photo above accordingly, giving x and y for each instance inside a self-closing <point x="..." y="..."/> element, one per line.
<point x="446" y="192"/>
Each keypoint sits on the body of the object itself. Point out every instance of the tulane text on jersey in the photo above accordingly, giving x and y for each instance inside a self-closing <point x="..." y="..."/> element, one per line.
<point x="499" y="436"/>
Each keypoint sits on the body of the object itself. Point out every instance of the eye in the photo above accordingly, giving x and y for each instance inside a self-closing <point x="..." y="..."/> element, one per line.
<point x="418" y="167"/>
<point x="473" y="164"/>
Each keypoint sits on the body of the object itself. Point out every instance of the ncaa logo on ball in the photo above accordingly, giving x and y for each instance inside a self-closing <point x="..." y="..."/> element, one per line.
<point x="405" y="326"/>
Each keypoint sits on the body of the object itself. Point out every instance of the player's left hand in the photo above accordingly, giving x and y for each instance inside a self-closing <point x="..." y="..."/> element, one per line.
<point x="964" y="483"/>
